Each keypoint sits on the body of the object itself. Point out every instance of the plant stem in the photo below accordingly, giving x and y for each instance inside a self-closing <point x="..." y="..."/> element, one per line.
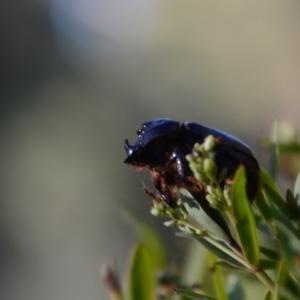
<point x="265" y="279"/>
<point x="260" y="274"/>
<point x="218" y="277"/>
<point x="227" y="251"/>
<point x="231" y="217"/>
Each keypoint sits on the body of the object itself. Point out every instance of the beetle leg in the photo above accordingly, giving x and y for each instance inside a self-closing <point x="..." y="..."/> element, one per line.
<point x="182" y="165"/>
<point x="163" y="189"/>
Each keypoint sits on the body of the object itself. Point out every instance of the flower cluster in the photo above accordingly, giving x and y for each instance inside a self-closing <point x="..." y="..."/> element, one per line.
<point x="203" y="165"/>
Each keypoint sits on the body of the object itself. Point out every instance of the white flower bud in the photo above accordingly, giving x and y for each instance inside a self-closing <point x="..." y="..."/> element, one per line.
<point x="209" y="143"/>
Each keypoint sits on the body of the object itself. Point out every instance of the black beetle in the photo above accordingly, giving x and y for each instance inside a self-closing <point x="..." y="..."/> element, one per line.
<point x="163" y="144"/>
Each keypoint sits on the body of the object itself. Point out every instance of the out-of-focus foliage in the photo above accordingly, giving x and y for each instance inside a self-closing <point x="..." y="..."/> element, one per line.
<point x="232" y="240"/>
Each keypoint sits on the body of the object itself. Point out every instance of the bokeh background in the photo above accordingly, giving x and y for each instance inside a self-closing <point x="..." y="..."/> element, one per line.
<point x="79" y="76"/>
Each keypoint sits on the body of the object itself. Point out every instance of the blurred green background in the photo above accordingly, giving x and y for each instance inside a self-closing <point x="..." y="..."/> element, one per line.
<point x="78" y="77"/>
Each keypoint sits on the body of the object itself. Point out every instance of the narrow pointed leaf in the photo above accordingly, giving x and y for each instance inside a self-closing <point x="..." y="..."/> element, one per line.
<point x="192" y="295"/>
<point x="270" y="253"/>
<point x="199" y="215"/>
<point x="263" y="227"/>
<point x="263" y="207"/>
<point x="284" y="294"/>
<point x="141" y="275"/>
<point x="272" y="206"/>
<point x="292" y="204"/>
<point x="290" y="244"/>
<point x="268" y="264"/>
<point x="212" y="215"/>
<point x="214" y="249"/>
<point x="284" y="290"/>
<point x="244" y="218"/>
<point x="268" y="296"/>
<point x="286" y="222"/>
<point x="228" y="265"/>
<point x="275" y="200"/>
<point x="266" y="179"/>
<point x="292" y="287"/>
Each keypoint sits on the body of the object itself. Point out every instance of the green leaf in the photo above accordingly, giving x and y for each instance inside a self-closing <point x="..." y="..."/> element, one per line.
<point x="244" y="218"/>
<point x="218" y="278"/>
<point x="270" y="253"/>
<point x="297" y="191"/>
<point x="287" y="222"/>
<point x="292" y="204"/>
<point x="282" y="278"/>
<point x="292" y="287"/>
<point x="266" y="179"/>
<point x="263" y="227"/>
<point x="200" y="216"/>
<point x="212" y="213"/>
<point x="228" y="265"/>
<point x="235" y="290"/>
<point x="216" y="248"/>
<point x="268" y="296"/>
<point x="192" y="295"/>
<point x="274" y="199"/>
<point x="268" y="264"/>
<point x="149" y="237"/>
<point x="280" y="209"/>
<point x="263" y="207"/>
<point x="141" y="275"/>
<point x="284" y="294"/>
<point x="289" y="243"/>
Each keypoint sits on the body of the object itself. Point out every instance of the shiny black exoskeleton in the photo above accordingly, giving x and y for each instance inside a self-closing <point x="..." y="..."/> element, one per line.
<point x="163" y="144"/>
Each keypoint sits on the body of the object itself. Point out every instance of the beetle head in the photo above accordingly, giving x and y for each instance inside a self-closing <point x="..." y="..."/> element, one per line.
<point x="154" y="138"/>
